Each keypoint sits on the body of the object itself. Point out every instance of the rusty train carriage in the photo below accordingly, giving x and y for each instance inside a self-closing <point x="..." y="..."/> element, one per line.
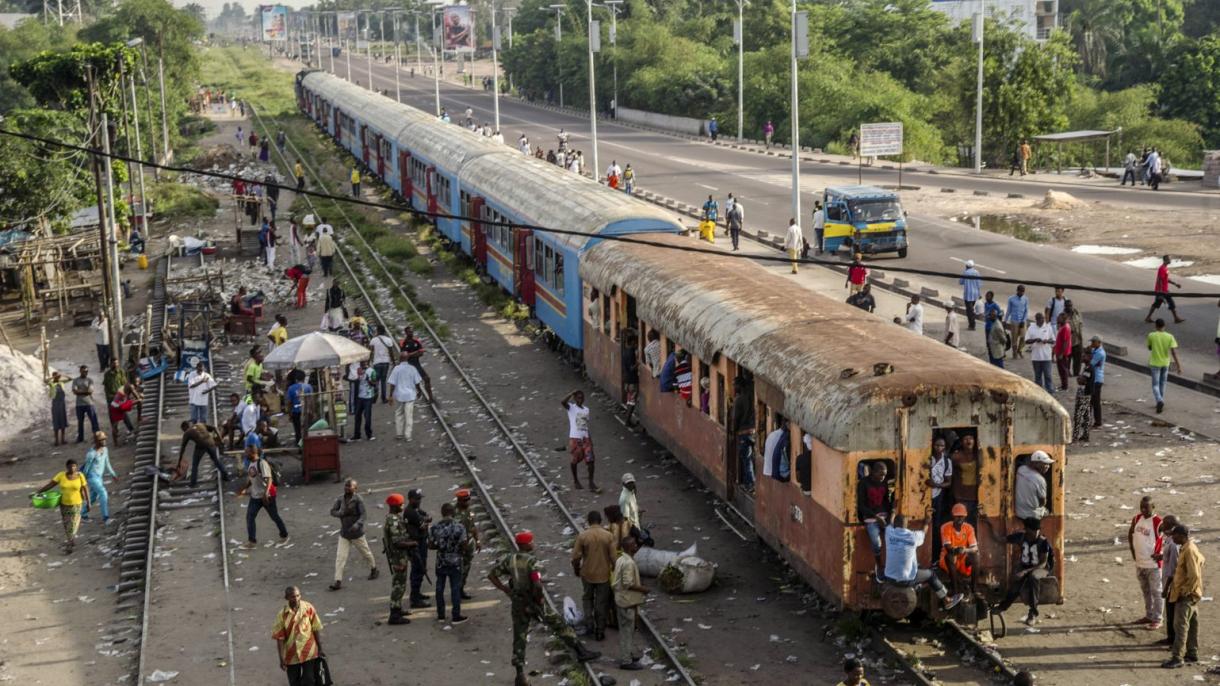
<point x="826" y="367"/>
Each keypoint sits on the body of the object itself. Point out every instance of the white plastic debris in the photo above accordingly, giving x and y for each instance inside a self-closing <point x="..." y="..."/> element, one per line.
<point x="159" y="677"/>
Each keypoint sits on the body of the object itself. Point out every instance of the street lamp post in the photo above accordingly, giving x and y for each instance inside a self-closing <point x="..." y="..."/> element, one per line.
<point x="397" y="59"/>
<point x="510" y="11"/>
<point x="593" y="87"/>
<point x="330" y="41"/>
<point x="796" y="116"/>
<point x="613" y="5"/>
<point x="135" y="115"/>
<point x="559" y="39"/>
<point x="740" y="38"/>
<point x="495" y="68"/>
<point x="438" y="45"/>
<point x="368" y="38"/>
<point x="979" y="22"/>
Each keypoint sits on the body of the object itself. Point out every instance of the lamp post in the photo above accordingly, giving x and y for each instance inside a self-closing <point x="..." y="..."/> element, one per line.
<point x="800" y="48"/>
<point x="593" y="26"/>
<point x="495" y="68"/>
<point x="397" y="57"/>
<point x="510" y="11"/>
<point x="135" y="114"/>
<point x="979" y="22"/>
<point x="437" y="46"/>
<point x="368" y="39"/>
<point x="740" y="38"/>
<point x="558" y="39"/>
<point x="613" y="6"/>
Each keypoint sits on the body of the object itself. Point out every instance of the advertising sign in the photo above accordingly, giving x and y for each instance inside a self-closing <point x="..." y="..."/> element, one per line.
<point x="459" y="29"/>
<point x="880" y="140"/>
<point x="347" y="26"/>
<point x="275" y="22"/>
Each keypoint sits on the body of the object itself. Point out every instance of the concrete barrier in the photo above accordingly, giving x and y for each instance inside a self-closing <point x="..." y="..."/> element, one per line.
<point x="1016" y="195"/>
<point x="948" y="190"/>
<point x="901" y="283"/>
<point x="667" y="122"/>
<point x="982" y="193"/>
<point x="926" y="292"/>
<point x="876" y="274"/>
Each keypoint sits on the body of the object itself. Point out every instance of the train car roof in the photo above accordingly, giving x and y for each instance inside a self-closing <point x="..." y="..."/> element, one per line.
<point x="819" y="352"/>
<point x="376" y="110"/>
<point x="544" y="195"/>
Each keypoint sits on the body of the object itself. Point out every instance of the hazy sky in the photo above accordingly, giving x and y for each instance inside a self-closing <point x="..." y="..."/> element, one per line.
<point x="213" y="6"/>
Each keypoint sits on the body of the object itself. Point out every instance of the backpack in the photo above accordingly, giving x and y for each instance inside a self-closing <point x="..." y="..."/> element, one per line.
<point x="277" y="474"/>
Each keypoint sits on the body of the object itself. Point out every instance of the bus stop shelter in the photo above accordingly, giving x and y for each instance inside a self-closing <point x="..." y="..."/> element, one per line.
<point x="1069" y="137"/>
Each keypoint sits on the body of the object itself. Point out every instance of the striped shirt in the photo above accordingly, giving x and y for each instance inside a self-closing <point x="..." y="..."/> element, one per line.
<point x="296" y="628"/>
<point x="970" y="284"/>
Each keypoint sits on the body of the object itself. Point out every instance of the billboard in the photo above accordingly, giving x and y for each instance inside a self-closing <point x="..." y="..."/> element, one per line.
<point x="275" y="22"/>
<point x="459" y="29"/>
<point x="879" y="140"/>
<point x="346" y="26"/>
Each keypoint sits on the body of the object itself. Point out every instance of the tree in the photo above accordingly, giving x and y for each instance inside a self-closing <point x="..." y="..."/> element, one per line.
<point x="1190" y="87"/>
<point x="1096" y="28"/>
<point x="198" y="12"/>
<point x="21" y="43"/>
<point x="41" y="182"/>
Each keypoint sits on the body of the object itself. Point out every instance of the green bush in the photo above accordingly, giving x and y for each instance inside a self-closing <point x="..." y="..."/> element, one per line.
<point x="395" y="248"/>
<point x="420" y="265"/>
<point x="175" y="201"/>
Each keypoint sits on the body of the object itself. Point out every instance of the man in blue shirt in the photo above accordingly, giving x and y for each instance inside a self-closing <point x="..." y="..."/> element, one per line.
<point x="1097" y="371"/>
<point x="711" y="209"/>
<point x="902" y="567"/>
<point x="970" y="290"/>
<point x="295" y="403"/>
<point x="1016" y="318"/>
<point x="989" y="306"/>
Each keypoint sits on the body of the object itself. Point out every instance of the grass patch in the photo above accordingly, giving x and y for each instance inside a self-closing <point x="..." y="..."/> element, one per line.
<point x="174" y="201"/>
<point x="420" y="265"/>
<point x="394" y="248"/>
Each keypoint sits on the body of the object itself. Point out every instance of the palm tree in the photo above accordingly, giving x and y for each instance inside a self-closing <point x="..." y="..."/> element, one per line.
<point x="1096" y="30"/>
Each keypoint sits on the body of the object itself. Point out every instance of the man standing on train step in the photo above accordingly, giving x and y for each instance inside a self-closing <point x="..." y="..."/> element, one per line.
<point x="1145" y="540"/>
<point x="517" y="576"/>
<point x="580" y="443"/>
<point x="794" y="240"/>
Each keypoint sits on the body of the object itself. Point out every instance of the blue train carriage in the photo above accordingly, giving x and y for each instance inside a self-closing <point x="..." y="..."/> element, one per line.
<point x="541" y="268"/>
<point x="435" y="154"/>
<point x="864" y="219"/>
<point x="366" y="124"/>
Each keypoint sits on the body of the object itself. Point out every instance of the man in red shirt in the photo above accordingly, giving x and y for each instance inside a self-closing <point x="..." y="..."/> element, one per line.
<point x="1162" y="292"/>
<point x="857" y="274"/>
<point x="1063" y="350"/>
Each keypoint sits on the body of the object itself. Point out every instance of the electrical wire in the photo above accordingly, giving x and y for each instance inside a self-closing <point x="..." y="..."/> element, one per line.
<point x="397" y="207"/>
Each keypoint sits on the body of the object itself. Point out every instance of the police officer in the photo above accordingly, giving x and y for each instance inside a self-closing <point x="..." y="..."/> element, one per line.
<point x="398" y="546"/>
<point x="473" y="545"/>
<point x="417" y="522"/>
<point x="524" y="588"/>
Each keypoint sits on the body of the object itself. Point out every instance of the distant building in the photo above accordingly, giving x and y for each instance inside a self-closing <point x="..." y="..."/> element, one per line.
<point x="9" y="20"/>
<point x="1038" y="18"/>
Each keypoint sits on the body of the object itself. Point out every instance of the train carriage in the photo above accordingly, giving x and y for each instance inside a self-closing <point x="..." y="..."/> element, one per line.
<point x="860" y="388"/>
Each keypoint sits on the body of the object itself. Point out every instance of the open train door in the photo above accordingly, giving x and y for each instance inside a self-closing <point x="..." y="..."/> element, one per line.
<point x="523" y="265"/>
<point x="364" y="144"/>
<point x="404" y="175"/>
<point x="478" y="238"/>
<point x="431" y="191"/>
<point x="380" y="159"/>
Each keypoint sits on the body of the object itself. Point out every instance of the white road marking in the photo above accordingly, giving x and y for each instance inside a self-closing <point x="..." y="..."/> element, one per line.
<point x="710" y="188"/>
<point x="983" y="266"/>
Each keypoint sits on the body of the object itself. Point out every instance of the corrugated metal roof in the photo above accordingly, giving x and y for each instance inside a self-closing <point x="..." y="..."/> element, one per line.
<point x="545" y="195"/>
<point x="802" y="343"/>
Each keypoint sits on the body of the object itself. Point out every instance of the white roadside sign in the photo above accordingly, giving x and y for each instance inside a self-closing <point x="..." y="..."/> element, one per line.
<point x="880" y="140"/>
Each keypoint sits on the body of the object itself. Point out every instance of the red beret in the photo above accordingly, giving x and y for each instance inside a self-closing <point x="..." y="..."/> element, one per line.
<point x="463" y="493"/>
<point x="395" y="499"/>
<point x="524" y="538"/>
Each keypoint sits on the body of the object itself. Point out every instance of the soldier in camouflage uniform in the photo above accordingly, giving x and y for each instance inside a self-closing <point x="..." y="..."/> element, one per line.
<point x="466" y="519"/>
<point x="397" y="546"/>
<point x="524" y="588"/>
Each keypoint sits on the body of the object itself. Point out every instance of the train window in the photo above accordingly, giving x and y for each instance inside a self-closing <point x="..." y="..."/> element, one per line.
<point x="720" y="397"/>
<point x="874" y="487"/>
<point x="705" y="388"/>
<point x="549" y="262"/>
<point x="539" y="258"/>
<point x="803" y="466"/>
<point x="606" y="314"/>
<point x="558" y="281"/>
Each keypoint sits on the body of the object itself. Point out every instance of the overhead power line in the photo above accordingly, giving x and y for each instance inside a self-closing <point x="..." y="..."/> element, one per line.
<point x="778" y="259"/>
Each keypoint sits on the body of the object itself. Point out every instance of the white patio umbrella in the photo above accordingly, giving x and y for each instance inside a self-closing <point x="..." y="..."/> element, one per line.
<point x="315" y="350"/>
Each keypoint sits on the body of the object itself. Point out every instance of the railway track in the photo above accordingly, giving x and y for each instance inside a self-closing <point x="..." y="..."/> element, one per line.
<point x="164" y="524"/>
<point x="507" y="494"/>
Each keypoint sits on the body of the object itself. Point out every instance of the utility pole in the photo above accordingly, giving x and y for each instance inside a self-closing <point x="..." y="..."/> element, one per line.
<point x="368" y="39"/>
<point x="510" y="11"/>
<point x="343" y="40"/>
<point x="495" y="67"/>
<point x="330" y="44"/>
<point x="169" y="153"/>
<point x="112" y="246"/>
<point x="558" y="54"/>
<point x="800" y="48"/>
<point x="397" y="59"/>
<point x="594" y="41"/>
<point x="979" y="22"/>
<point x="739" y="37"/>
<point x="108" y="287"/>
<point x="437" y="46"/>
<point x="152" y="138"/>
<point x="135" y="115"/>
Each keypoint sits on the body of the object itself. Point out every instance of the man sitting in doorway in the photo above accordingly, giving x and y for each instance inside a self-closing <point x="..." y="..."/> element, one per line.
<point x="959" y="548"/>
<point x="874" y="503"/>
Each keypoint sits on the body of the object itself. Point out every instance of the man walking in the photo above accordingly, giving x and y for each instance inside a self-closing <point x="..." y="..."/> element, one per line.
<point x="1162" y="347"/>
<point x="736" y="217"/>
<point x="1015" y="317"/>
<point x="1186" y="593"/>
<point x="857" y="275"/>
<point x="1041" y="339"/>
<point x="200" y="385"/>
<point x="768" y="132"/>
<point x="473" y="544"/>
<point x="101" y="340"/>
<point x="412" y="350"/>
<point x="82" y="388"/>
<point x="385" y="352"/>
<point x="1097" y="374"/>
<point x="349" y="509"/>
<point x="207" y="442"/>
<point x="448" y="538"/>
<point x="1145" y="541"/>
<point x="366" y="398"/>
<point x="404" y="389"/>
<point x="260" y="484"/>
<point x="298" y="637"/>
<point x="914" y="316"/>
<point x="397" y="546"/>
<point x="417" y="522"/>
<point x="711" y="210"/>
<point x="794" y="240"/>
<point x="997" y="339"/>
<point x="326" y="252"/>
<point x="1161" y="287"/>
<point x="629" y="595"/>
<point x="517" y="576"/>
<point x="355" y="182"/>
<point x="593" y="561"/>
<point x="971" y="285"/>
<point x="1055" y="306"/>
<point x="298" y="170"/>
<point x="1024" y="153"/>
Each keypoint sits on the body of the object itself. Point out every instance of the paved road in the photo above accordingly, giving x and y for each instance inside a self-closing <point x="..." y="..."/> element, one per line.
<point x="688" y="171"/>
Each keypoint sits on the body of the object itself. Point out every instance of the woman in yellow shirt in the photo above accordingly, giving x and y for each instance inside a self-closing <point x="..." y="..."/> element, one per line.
<point x="74" y="492"/>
